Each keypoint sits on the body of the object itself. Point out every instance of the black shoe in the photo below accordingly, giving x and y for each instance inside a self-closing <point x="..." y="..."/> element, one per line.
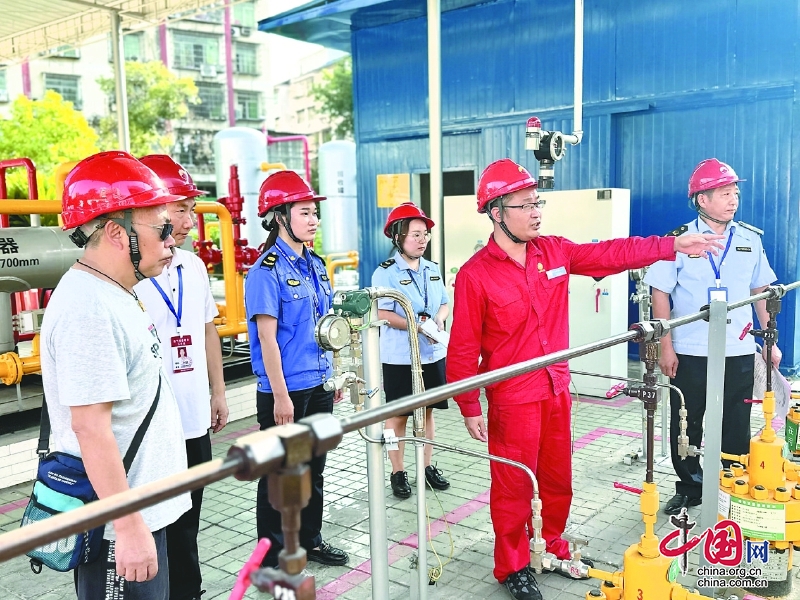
<point x="679" y="501"/>
<point x="400" y="487"/>
<point x="327" y="555"/>
<point x="522" y="586"/>
<point x="587" y="561"/>
<point x="434" y="478"/>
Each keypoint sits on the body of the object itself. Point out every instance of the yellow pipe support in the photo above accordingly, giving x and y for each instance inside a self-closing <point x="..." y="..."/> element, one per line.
<point x="13" y="367"/>
<point x="265" y="166"/>
<point x="742" y="459"/>
<point x="233" y="321"/>
<point x="342" y="262"/>
<point x="30" y="207"/>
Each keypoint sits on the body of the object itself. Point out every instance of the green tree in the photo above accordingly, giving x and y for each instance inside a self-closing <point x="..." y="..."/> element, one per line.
<point x="335" y="96"/>
<point x="49" y="132"/>
<point x="155" y="95"/>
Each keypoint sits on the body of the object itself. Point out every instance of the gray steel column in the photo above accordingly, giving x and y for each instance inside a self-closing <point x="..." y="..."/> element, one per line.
<point x="665" y="412"/>
<point x="7" y="343"/>
<point x="118" y="56"/>
<point x="715" y="385"/>
<point x="378" y="543"/>
<point x="435" y="129"/>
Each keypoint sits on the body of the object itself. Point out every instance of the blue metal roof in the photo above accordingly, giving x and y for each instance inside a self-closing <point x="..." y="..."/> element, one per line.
<point x="330" y="23"/>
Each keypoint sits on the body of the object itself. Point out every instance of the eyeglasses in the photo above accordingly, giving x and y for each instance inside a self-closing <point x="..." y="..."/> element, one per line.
<point x="419" y="236"/>
<point x="165" y="229"/>
<point x="528" y="206"/>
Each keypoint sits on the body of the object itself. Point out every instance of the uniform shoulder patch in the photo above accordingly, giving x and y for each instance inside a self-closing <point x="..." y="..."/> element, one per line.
<point x="387" y="263"/>
<point x="270" y="260"/>
<point x="750" y="227"/>
<point x="676" y="232"/>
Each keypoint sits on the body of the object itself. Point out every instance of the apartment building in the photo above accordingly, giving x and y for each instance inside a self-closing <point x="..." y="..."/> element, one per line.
<point x="191" y="45"/>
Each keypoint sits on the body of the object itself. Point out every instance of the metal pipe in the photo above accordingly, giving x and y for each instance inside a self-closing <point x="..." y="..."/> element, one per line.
<point x="234" y="323"/>
<point x="435" y="130"/>
<point x="715" y="388"/>
<point x="378" y="541"/>
<point x="577" y="133"/>
<point x="118" y="56"/>
<point x="26" y="207"/>
<point x="403" y="405"/>
<point x="332" y="265"/>
<point x="293" y="138"/>
<point x="228" y="37"/>
<point x="7" y="342"/>
<point x="25" y="539"/>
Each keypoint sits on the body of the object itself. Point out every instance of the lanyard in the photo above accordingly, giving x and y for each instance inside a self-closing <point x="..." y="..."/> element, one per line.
<point x="416" y="285"/>
<point x="171" y="308"/>
<point x="717" y="270"/>
<point x="312" y="289"/>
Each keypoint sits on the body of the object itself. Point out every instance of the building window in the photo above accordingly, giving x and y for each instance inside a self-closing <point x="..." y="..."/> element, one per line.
<point x="67" y="85"/>
<point x="212" y="102"/>
<point x="248" y="106"/>
<point x="244" y="14"/>
<point x="246" y="59"/>
<point x="3" y="88"/>
<point x="63" y="51"/>
<point x="133" y="46"/>
<point x="192" y="51"/>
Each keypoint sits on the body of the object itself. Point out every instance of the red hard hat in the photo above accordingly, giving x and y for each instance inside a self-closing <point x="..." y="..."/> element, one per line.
<point x="173" y="175"/>
<point x="500" y="178"/>
<point x="107" y="182"/>
<point x="710" y="174"/>
<point x="406" y="210"/>
<point x="281" y="188"/>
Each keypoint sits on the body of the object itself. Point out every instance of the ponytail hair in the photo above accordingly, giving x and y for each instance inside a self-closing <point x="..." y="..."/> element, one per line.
<point x="270" y="223"/>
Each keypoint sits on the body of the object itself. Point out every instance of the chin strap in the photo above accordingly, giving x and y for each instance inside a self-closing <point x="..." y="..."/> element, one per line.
<point x="503" y="225"/>
<point x="705" y="216"/>
<point x="286" y="221"/>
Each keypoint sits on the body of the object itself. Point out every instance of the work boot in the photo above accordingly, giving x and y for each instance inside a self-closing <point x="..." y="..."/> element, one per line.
<point x="434" y="478"/>
<point x="400" y="487"/>
<point x="522" y="586"/>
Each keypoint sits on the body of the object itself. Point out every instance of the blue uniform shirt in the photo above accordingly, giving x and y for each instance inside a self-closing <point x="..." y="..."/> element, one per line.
<point x="425" y="289"/>
<point x="296" y="291"/>
<point x="687" y="280"/>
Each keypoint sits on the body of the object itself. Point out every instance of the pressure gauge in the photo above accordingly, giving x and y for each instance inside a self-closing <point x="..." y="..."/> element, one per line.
<point x="332" y="332"/>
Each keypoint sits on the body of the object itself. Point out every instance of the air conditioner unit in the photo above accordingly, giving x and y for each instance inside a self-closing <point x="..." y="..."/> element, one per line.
<point x="246" y="31"/>
<point x="236" y="32"/>
<point x="208" y="71"/>
<point x="3" y="96"/>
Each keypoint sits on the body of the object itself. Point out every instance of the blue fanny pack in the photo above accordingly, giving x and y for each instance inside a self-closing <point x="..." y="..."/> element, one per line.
<point x="63" y="485"/>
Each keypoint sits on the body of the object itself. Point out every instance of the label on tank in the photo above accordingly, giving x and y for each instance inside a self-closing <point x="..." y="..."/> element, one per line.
<point x="9" y="248"/>
<point x="759" y="520"/>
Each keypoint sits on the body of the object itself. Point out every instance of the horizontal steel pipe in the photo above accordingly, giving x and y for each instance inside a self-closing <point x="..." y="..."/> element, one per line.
<point x="25" y="539"/>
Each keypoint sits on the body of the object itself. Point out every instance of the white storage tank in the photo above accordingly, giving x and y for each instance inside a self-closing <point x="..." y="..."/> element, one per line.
<point x="246" y="148"/>
<point x="337" y="181"/>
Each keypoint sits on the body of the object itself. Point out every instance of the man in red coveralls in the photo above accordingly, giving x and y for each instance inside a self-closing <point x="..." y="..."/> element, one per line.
<point x="511" y="306"/>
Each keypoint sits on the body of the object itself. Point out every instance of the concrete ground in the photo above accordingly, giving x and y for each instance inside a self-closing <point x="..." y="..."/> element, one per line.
<point x="604" y="431"/>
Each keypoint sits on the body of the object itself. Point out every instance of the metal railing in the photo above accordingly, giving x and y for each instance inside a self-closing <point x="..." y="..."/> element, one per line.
<point x="276" y="449"/>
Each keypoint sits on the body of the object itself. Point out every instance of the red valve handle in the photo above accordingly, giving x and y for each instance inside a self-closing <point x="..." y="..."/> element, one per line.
<point x="627" y="488"/>
<point x="253" y="564"/>
<point x="745" y="330"/>
<point x="615" y="390"/>
<point x="753" y="401"/>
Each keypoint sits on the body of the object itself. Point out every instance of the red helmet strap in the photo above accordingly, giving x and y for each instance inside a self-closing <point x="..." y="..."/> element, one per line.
<point x="285" y="219"/>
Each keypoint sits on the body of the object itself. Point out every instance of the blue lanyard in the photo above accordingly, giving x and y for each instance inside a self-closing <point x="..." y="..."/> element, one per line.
<point x="416" y="285"/>
<point x="717" y="270"/>
<point x="312" y="289"/>
<point x="171" y="308"/>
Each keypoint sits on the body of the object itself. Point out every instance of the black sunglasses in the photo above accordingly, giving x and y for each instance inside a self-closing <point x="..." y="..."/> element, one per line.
<point x="165" y="229"/>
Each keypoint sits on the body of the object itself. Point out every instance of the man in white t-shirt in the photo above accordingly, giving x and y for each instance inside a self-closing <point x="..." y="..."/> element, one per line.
<point x="180" y="302"/>
<point x="102" y="371"/>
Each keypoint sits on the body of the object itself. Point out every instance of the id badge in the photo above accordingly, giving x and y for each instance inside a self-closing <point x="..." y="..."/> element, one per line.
<point x="181" y="346"/>
<point x="717" y="293"/>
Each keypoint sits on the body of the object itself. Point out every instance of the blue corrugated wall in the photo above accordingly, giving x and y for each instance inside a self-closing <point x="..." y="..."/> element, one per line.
<point x="666" y="84"/>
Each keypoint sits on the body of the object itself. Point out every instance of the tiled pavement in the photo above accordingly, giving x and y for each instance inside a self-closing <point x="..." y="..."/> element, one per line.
<point x="604" y="432"/>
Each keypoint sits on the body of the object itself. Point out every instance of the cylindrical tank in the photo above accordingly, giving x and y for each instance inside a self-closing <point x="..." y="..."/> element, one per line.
<point x="34" y="257"/>
<point x="246" y="148"/>
<point x="337" y="181"/>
